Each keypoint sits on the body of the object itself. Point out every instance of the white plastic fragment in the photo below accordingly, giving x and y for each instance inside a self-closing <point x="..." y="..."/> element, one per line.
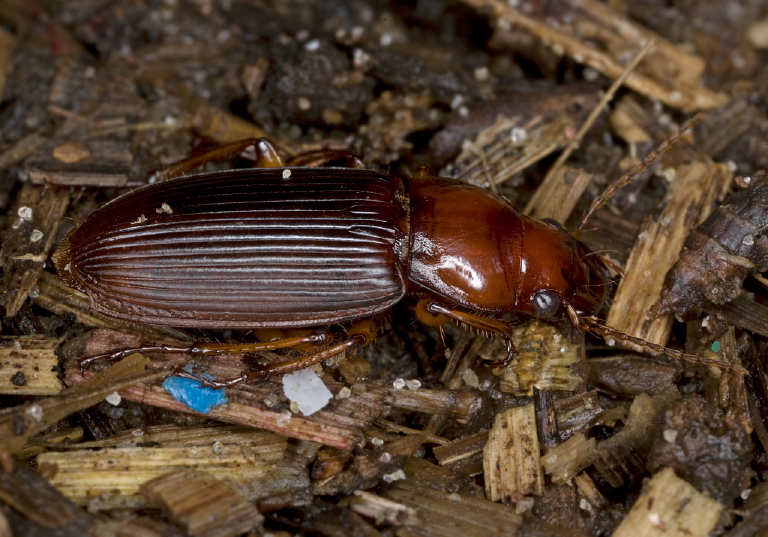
<point x="306" y="390"/>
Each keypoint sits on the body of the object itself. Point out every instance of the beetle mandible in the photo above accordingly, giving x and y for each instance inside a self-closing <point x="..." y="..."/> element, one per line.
<point x="296" y="245"/>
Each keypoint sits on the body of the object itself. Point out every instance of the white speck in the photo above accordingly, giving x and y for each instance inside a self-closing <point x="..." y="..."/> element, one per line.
<point x="286" y="174"/>
<point x="25" y="213"/>
<point x="284" y="418"/>
<point x="140" y="219"/>
<point x="35" y="412"/>
<point x="385" y="458"/>
<point x="457" y="101"/>
<point x="670" y="435"/>
<point x="164" y="208"/>
<point x="610" y="342"/>
<point x="518" y="135"/>
<point x="344" y="393"/>
<point x="397" y="475"/>
<point x="68" y="267"/>
<point x="378" y="442"/>
<point x="732" y="166"/>
<point x="17" y="223"/>
<point x="385" y="40"/>
<point x="398" y="384"/>
<point x="36" y="235"/>
<point x="590" y="75"/>
<point x="748" y="240"/>
<point x="747" y="180"/>
<point x="271" y="400"/>
<point x="306" y="390"/>
<point x="170" y="120"/>
<point x="513" y="3"/>
<point x="664" y="222"/>
<point x="218" y="447"/>
<point x="312" y="46"/>
<point x="114" y="399"/>
<point x="413" y="384"/>
<point x="463" y="111"/>
<point x="304" y="103"/>
<point x="524" y="505"/>
<point x="454" y="497"/>
<point x="17" y="346"/>
<point x="746" y="493"/>
<point x="578" y="58"/>
<point x="470" y="378"/>
<point x="584" y="505"/>
<point x="654" y="519"/>
<point x="137" y="432"/>
<point x="481" y="74"/>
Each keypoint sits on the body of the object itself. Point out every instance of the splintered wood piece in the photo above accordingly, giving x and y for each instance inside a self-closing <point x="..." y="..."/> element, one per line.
<point x="202" y="504"/>
<point x="624" y="455"/>
<point x="19" y="423"/>
<point x="670" y="506"/>
<point x="27" y="242"/>
<point x="74" y="163"/>
<point x="511" y="462"/>
<point x="29" y="366"/>
<point x="592" y="33"/>
<point x="461" y="449"/>
<point x="566" y="460"/>
<point x="557" y="196"/>
<point x="544" y="360"/>
<point x="503" y="157"/>
<point x="448" y="514"/>
<point x="575" y="413"/>
<point x="111" y="478"/>
<point x="695" y="188"/>
<point x="43" y="507"/>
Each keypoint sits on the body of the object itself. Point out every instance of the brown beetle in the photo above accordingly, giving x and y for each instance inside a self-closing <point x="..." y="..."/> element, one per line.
<point x="300" y="246"/>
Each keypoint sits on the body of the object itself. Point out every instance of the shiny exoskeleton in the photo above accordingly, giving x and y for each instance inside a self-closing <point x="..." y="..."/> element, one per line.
<point x="303" y="246"/>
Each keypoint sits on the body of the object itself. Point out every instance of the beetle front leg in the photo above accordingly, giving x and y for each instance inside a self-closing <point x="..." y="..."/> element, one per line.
<point x="432" y="312"/>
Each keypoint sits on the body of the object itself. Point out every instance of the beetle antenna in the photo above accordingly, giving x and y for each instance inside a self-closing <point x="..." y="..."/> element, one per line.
<point x="591" y="324"/>
<point x="649" y="159"/>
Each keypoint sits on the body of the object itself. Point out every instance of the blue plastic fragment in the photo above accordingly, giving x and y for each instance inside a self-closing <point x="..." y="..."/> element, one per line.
<point x="715" y="346"/>
<point x="193" y="394"/>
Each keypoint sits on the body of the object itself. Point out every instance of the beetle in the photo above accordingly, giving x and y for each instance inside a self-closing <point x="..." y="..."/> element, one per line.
<point x="291" y="244"/>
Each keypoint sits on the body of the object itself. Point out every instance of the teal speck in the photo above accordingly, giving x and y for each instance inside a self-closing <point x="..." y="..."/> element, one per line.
<point x="715" y="346"/>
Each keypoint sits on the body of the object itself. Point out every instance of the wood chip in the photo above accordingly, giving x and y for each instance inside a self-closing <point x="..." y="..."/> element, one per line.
<point x="203" y="505"/>
<point x="76" y="163"/>
<point x="670" y="506"/>
<point x="695" y="188"/>
<point x="111" y="478"/>
<point x="511" y="457"/>
<point x="29" y="366"/>
<point x="27" y="242"/>
<point x="591" y="32"/>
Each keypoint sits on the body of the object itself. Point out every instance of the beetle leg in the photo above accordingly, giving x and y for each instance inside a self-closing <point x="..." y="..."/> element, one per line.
<point x="324" y="156"/>
<point x="281" y="368"/>
<point x="267" y="156"/>
<point x="209" y="349"/>
<point x="484" y="325"/>
<point x="591" y="324"/>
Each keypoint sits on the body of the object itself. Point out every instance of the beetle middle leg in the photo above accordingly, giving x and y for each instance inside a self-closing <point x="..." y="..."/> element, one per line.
<point x="359" y="334"/>
<point x="266" y="156"/>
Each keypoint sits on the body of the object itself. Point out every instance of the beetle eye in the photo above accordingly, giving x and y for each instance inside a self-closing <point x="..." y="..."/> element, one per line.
<point x="546" y="304"/>
<point x="554" y="223"/>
